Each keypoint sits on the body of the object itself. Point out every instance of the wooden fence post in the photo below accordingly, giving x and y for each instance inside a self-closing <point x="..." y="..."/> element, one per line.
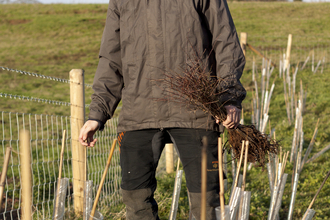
<point x="169" y="156"/>
<point x="243" y="41"/>
<point x="77" y="100"/>
<point x="288" y="51"/>
<point x="26" y="174"/>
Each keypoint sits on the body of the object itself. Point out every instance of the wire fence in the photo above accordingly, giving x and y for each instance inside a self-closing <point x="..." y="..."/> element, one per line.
<point x="46" y="135"/>
<point x="45" y="147"/>
<point x="40" y="76"/>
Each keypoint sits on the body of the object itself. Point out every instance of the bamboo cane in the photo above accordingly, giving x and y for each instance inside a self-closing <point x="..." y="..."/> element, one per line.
<point x="245" y="164"/>
<point x="310" y="146"/>
<point x="319" y="154"/>
<point x="225" y="168"/>
<point x="317" y="66"/>
<point x="4" y="173"/>
<point x="240" y="163"/>
<point x="60" y="174"/>
<point x="318" y="191"/>
<point x="102" y="180"/>
<point x="303" y="66"/>
<point x="237" y="173"/>
<point x="204" y="179"/>
<point x="284" y="162"/>
<point x="244" y="178"/>
<point x="308" y="215"/>
<point x="222" y="187"/>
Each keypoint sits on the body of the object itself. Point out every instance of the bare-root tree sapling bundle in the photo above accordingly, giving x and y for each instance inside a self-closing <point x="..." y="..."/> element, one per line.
<point x="196" y="88"/>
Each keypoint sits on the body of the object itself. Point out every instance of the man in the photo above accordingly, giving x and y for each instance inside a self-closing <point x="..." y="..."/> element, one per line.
<point x="141" y="40"/>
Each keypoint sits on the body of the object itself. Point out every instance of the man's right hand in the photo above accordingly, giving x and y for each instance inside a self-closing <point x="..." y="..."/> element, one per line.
<point x="87" y="132"/>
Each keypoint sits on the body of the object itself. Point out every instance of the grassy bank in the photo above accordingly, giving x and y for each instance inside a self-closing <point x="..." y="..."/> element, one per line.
<point x="53" y="39"/>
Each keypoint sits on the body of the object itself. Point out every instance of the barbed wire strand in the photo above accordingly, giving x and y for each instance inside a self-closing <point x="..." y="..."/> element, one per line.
<point x="40" y="76"/>
<point x="47" y="101"/>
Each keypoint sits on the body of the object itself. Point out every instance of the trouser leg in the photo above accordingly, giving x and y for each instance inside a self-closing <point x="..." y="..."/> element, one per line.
<point x="139" y="155"/>
<point x="140" y="204"/>
<point x="189" y="145"/>
<point x="212" y="201"/>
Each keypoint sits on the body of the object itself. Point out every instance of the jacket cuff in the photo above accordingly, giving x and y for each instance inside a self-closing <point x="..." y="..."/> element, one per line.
<point x="226" y="100"/>
<point x="99" y="117"/>
<point x="101" y="124"/>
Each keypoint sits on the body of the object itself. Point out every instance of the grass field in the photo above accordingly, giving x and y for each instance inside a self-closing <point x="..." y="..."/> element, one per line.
<point x="53" y="39"/>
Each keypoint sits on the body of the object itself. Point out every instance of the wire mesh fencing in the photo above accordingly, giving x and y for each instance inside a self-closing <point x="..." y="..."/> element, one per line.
<point x="45" y="143"/>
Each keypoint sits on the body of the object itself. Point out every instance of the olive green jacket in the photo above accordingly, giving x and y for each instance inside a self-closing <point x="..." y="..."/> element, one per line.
<point x="143" y="39"/>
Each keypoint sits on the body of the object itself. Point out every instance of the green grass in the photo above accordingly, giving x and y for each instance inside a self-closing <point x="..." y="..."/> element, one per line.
<point x="53" y="39"/>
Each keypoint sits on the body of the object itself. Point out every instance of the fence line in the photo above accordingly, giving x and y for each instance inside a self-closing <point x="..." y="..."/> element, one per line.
<point x="46" y="135"/>
<point x="40" y="76"/>
<point x="47" y="101"/>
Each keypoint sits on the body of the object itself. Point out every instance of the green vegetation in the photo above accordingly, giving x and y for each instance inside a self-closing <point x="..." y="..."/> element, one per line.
<point x="53" y="39"/>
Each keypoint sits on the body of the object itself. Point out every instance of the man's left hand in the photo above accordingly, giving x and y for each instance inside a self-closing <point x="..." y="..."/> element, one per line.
<point x="233" y="117"/>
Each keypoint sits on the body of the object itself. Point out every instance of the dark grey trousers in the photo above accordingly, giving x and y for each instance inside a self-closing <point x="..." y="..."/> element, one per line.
<point x="139" y="155"/>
